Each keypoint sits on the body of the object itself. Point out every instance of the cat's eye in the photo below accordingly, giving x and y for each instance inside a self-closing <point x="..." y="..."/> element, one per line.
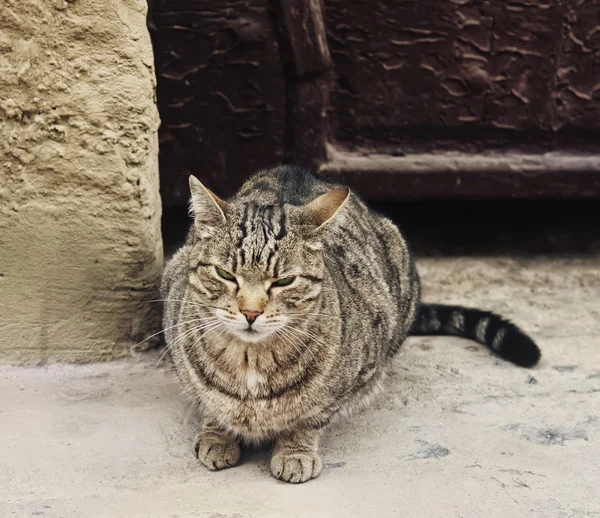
<point x="224" y="274"/>
<point x="286" y="281"/>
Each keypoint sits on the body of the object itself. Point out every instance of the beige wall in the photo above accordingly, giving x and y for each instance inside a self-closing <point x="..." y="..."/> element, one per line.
<point x="80" y="244"/>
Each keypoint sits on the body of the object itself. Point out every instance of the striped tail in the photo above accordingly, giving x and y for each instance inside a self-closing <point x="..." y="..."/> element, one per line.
<point x="500" y="336"/>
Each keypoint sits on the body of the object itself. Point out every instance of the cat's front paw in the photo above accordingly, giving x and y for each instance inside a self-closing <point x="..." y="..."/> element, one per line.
<point x="216" y="451"/>
<point x="296" y="467"/>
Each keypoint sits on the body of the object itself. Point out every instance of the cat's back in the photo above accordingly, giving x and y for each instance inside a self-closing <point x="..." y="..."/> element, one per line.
<point x="283" y="185"/>
<point x="358" y="228"/>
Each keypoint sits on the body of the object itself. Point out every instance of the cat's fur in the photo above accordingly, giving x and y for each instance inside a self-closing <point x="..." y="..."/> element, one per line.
<point x="323" y="345"/>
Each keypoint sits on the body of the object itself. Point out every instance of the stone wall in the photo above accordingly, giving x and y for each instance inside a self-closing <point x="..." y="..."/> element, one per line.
<point x="80" y="243"/>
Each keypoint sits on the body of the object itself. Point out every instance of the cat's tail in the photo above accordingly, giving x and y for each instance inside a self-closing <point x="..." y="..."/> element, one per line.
<point x="497" y="334"/>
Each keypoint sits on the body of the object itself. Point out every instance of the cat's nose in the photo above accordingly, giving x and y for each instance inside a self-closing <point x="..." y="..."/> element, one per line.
<point x="251" y="315"/>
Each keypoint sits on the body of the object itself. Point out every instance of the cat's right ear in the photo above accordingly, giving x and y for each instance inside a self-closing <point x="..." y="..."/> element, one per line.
<point x="208" y="210"/>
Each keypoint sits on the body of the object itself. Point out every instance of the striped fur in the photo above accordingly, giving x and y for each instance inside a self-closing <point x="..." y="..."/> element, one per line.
<point x="337" y="326"/>
<point x="499" y="335"/>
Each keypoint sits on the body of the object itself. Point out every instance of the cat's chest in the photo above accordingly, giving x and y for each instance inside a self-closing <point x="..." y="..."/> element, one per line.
<point x="254" y="407"/>
<point x="248" y="394"/>
<point x="248" y="372"/>
<point x="253" y="380"/>
<point x="254" y="418"/>
<point x="243" y="373"/>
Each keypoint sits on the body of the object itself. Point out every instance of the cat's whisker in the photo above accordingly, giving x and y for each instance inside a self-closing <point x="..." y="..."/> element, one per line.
<point x="317" y="338"/>
<point x="304" y="339"/>
<point x="173" y="327"/>
<point x="288" y="339"/>
<point x="310" y="335"/>
<point x="223" y="331"/>
<point x="205" y="327"/>
<point x="164" y="300"/>
<point x="312" y="314"/>
<point x="190" y="332"/>
<point x="186" y="301"/>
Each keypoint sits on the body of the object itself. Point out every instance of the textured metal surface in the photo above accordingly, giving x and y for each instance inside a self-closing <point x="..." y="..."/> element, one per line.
<point x="307" y="62"/>
<point x="578" y="67"/>
<point x="466" y="175"/>
<point x="419" y="76"/>
<point x="221" y="92"/>
<point x="249" y="83"/>
<point x="302" y="36"/>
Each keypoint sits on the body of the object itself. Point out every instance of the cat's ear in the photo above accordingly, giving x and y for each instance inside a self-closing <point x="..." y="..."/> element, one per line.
<point x="206" y="207"/>
<point x="323" y="209"/>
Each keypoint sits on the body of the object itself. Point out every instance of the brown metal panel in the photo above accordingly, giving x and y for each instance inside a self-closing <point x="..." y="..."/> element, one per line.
<point x="403" y="98"/>
<point x="221" y="92"/>
<point x="307" y="126"/>
<point x="460" y="175"/>
<point x="403" y="67"/>
<point x="578" y="74"/>
<point x="419" y="76"/>
<point x="465" y="98"/>
<point x="522" y="64"/>
<point x="306" y="57"/>
<point x="302" y="36"/>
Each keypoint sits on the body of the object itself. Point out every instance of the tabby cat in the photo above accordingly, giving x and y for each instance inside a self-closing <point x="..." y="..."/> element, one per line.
<point x="284" y="310"/>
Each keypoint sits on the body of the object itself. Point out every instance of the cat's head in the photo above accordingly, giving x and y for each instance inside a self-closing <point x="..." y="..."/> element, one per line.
<point x="258" y="270"/>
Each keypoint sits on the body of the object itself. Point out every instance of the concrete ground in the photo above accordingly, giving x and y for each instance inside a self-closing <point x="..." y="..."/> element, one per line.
<point x="459" y="433"/>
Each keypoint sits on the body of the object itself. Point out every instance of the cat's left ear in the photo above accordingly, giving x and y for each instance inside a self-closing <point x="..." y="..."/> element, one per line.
<point x="208" y="210"/>
<point x="324" y="209"/>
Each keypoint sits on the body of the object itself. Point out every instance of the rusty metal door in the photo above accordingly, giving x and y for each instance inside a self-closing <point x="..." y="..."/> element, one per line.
<point x="401" y="98"/>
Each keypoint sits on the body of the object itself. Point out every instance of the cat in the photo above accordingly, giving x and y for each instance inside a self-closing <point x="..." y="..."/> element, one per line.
<point x="285" y="308"/>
